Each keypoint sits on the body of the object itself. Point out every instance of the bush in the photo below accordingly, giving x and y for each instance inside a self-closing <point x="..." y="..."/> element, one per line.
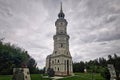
<point x="50" y="72"/>
<point x="105" y="73"/>
<point x="117" y="74"/>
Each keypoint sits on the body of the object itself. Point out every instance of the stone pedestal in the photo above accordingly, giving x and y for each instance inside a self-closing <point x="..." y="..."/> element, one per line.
<point x="21" y="74"/>
<point x="112" y="72"/>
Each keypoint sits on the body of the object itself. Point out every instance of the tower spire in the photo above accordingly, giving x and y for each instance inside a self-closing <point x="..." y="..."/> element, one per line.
<point x="61" y="14"/>
<point x="61" y="7"/>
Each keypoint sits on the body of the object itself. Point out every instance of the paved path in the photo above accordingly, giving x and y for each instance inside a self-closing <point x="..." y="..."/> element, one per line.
<point x="56" y="77"/>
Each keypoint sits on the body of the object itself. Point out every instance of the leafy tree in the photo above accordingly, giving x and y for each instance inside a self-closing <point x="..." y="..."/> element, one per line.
<point x="99" y="65"/>
<point x="78" y="67"/>
<point x="105" y="73"/>
<point x="12" y="56"/>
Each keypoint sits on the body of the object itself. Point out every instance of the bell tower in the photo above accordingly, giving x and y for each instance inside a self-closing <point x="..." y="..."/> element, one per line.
<point x="61" y="39"/>
<point x="60" y="59"/>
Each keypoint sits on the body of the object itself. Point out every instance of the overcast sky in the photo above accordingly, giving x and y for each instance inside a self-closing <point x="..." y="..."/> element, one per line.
<point x="93" y="26"/>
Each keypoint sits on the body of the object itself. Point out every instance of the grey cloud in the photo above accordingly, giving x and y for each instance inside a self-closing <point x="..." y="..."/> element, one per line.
<point x="112" y="18"/>
<point x="99" y="7"/>
<point x="91" y="52"/>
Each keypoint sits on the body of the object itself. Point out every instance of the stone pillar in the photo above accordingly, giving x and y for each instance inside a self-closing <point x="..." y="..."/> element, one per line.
<point x="21" y="74"/>
<point x="112" y="72"/>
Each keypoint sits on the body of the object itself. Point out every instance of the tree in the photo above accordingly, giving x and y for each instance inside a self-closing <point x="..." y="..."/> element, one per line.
<point x="12" y="56"/>
<point x="105" y="73"/>
<point x="98" y="65"/>
<point x="78" y="67"/>
<point x="32" y="65"/>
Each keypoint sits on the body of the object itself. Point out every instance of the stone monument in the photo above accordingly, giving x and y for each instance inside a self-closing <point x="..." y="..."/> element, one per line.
<point x="21" y="73"/>
<point x="112" y="72"/>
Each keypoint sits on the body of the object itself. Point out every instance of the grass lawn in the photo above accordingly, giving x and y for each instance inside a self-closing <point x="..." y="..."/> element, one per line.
<point x="83" y="76"/>
<point x="33" y="77"/>
<point x="78" y="76"/>
<point x="5" y="77"/>
<point x="38" y="77"/>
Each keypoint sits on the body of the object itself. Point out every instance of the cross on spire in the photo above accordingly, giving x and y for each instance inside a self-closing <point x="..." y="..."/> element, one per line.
<point x="61" y="14"/>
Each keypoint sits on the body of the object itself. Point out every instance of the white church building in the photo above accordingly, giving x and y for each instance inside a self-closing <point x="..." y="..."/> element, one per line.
<point x="60" y="60"/>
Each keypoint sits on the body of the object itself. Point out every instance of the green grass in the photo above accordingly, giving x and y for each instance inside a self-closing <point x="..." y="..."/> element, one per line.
<point x="33" y="77"/>
<point x="5" y="77"/>
<point x="38" y="77"/>
<point x="78" y="76"/>
<point x="84" y="76"/>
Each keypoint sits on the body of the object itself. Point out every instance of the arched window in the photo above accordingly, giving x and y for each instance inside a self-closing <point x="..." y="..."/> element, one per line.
<point x="55" y="52"/>
<point x="52" y="62"/>
<point x="65" y="64"/>
<point x="26" y="77"/>
<point x="58" y="68"/>
<point x="61" y="45"/>
<point x="68" y="62"/>
<point x="58" y="61"/>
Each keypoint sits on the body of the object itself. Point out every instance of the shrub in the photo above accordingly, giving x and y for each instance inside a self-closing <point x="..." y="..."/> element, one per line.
<point x="50" y="72"/>
<point x="105" y="73"/>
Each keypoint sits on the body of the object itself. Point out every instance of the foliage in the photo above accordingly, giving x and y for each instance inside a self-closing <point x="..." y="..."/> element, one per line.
<point x="98" y="65"/>
<point x="78" y="67"/>
<point x="12" y="56"/>
<point x="42" y="71"/>
<point x="105" y="73"/>
<point x="50" y="72"/>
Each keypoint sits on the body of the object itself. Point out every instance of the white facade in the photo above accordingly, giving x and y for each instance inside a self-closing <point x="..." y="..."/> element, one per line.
<point x="60" y="60"/>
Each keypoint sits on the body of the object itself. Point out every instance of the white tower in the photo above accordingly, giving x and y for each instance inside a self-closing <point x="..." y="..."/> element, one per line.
<point x="60" y="60"/>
